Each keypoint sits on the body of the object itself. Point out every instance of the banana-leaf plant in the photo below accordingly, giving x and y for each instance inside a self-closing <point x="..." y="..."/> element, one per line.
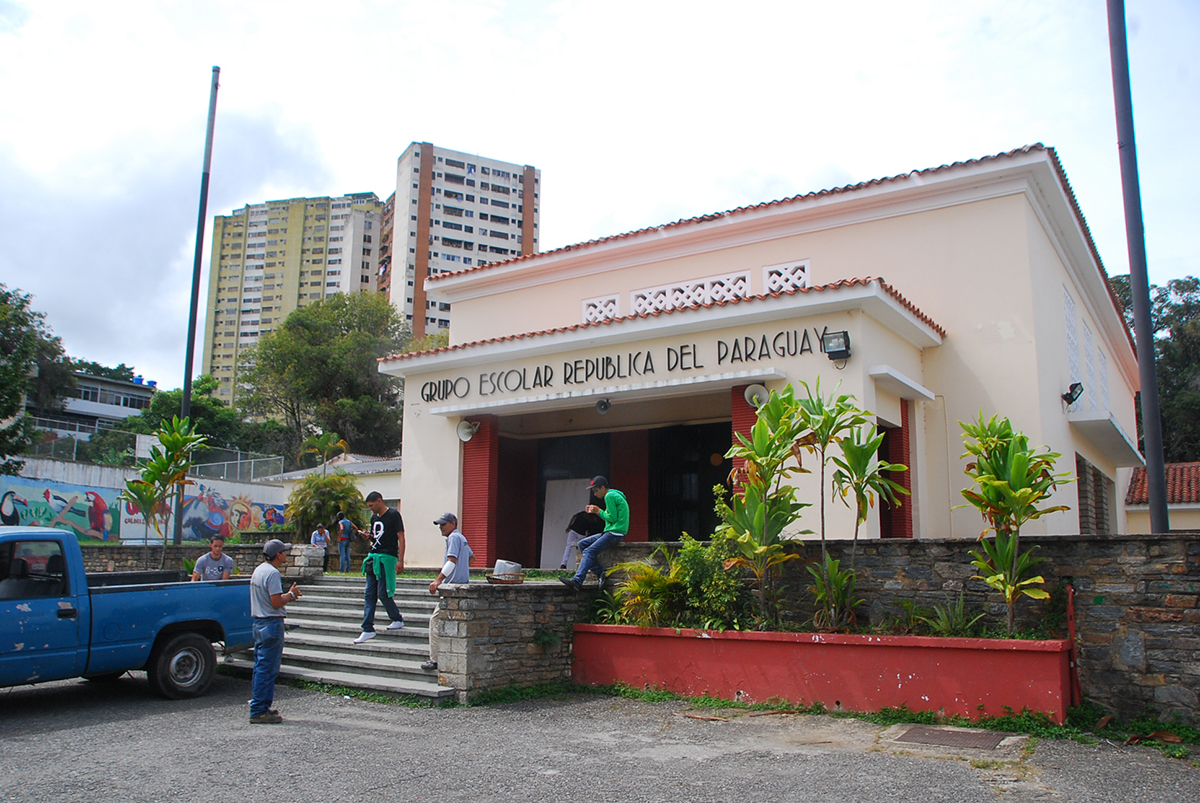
<point x="1011" y="483"/>
<point x="163" y="474"/>
<point x="860" y="472"/>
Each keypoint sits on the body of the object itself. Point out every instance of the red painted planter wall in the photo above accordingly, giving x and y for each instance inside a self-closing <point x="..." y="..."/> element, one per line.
<point x="855" y="673"/>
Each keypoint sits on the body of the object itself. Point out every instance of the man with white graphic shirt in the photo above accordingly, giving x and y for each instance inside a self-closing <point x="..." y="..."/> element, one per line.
<point x="381" y="565"/>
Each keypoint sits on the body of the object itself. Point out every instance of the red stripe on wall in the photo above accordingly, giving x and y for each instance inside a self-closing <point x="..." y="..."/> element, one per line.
<point x="744" y="416"/>
<point x="896" y="522"/>
<point x="481" y="463"/>
<point x="629" y="462"/>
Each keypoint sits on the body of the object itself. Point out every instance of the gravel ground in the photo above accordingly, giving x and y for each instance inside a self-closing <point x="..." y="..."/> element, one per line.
<point x="78" y="741"/>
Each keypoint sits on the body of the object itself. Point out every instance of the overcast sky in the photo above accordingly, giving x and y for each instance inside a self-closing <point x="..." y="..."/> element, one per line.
<point x="637" y="113"/>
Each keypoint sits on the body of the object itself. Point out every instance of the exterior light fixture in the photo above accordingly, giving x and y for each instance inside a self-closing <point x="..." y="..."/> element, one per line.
<point x="603" y="406"/>
<point x="1073" y="393"/>
<point x="836" y="345"/>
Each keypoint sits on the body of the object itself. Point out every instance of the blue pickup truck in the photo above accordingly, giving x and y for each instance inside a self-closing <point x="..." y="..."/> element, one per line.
<point x="57" y="621"/>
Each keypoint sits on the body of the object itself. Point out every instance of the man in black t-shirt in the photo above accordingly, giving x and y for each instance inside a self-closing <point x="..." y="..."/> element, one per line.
<point x="381" y="565"/>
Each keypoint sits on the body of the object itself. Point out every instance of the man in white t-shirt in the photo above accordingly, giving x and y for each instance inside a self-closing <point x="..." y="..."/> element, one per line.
<point x="267" y="601"/>
<point x="457" y="569"/>
<point x="213" y="565"/>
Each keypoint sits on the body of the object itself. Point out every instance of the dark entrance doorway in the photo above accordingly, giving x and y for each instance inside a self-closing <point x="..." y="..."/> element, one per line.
<point x="685" y="463"/>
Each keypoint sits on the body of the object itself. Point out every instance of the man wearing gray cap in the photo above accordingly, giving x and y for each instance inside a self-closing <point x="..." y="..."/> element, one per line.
<point x="267" y="601"/>
<point x="456" y="569"/>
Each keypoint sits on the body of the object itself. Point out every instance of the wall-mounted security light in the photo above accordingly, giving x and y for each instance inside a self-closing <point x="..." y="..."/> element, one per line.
<point x="756" y="395"/>
<point x="1073" y="393"/>
<point x="603" y="406"/>
<point x="466" y="430"/>
<point x="836" y="345"/>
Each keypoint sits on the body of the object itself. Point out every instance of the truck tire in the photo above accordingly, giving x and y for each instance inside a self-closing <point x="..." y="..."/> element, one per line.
<point x="182" y="666"/>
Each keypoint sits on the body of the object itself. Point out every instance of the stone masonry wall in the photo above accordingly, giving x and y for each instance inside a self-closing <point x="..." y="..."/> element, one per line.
<point x="1137" y="617"/>
<point x="304" y="561"/>
<point x="490" y="637"/>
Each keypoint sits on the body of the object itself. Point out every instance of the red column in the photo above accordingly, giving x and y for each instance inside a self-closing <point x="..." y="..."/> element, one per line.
<point x="896" y="522"/>
<point x="744" y="416"/>
<point x="480" y="472"/>
<point x="629" y="459"/>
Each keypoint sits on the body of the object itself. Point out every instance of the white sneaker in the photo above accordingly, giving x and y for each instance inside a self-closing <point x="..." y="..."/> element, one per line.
<point x="364" y="636"/>
<point x="395" y="625"/>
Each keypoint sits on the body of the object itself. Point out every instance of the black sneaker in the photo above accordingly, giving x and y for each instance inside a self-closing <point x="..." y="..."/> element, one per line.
<point x="429" y="666"/>
<point x="571" y="582"/>
<point x="269" y="718"/>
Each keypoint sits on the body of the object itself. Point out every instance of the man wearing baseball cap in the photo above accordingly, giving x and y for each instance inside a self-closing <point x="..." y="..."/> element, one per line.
<point x="267" y="601"/>
<point x="457" y="569"/>
<point x="616" y="524"/>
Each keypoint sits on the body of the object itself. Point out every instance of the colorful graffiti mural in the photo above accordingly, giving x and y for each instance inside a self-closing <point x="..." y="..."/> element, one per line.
<point x="98" y="514"/>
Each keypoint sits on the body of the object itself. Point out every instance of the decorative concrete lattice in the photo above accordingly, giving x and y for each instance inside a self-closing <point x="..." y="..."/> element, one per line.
<point x="786" y="277"/>
<point x="688" y="294"/>
<point x="599" y="309"/>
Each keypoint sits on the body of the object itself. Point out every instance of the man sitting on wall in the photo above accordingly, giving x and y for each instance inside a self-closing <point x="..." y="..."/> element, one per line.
<point x="616" y="524"/>
<point x="214" y="565"/>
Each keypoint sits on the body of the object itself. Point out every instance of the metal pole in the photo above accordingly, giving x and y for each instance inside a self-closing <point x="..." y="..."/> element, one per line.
<point x="186" y="406"/>
<point x="1139" y="281"/>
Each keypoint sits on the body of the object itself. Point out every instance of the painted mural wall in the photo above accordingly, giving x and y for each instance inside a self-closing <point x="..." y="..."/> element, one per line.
<point x="84" y="499"/>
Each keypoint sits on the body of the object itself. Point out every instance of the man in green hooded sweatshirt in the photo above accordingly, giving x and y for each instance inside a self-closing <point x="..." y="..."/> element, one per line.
<point x="616" y="524"/>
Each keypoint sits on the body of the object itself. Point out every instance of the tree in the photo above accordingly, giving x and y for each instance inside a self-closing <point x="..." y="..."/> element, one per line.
<point x="20" y="327"/>
<point x="1175" y="318"/>
<point x="318" y="372"/>
<point x="122" y="372"/>
<point x="319" y="497"/>
<point x="163" y="474"/>
<point x="327" y="446"/>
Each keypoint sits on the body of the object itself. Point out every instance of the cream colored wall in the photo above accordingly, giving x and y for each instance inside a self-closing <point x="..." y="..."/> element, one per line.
<point x="1181" y="519"/>
<point x="432" y="484"/>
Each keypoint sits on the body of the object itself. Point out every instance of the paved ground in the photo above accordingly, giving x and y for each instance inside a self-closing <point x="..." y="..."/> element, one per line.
<point x="77" y="741"/>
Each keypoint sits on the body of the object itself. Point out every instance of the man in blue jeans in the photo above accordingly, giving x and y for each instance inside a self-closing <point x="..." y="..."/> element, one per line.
<point x="381" y="566"/>
<point x="616" y="524"/>
<point x="267" y="601"/>
<point x="346" y="531"/>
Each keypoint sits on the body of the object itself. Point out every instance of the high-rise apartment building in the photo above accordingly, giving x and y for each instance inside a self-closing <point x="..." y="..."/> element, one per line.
<point x="454" y="210"/>
<point x="270" y="258"/>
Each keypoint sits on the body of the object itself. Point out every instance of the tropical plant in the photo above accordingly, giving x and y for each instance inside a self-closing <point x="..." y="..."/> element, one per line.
<point x="825" y="421"/>
<point x="1010" y="482"/>
<point x="326" y="446"/>
<point x="319" y="497"/>
<point x="952" y="619"/>
<point x="163" y="475"/>
<point x="714" y="598"/>
<point x="860" y="472"/>
<point x="652" y="594"/>
<point x="834" y="592"/>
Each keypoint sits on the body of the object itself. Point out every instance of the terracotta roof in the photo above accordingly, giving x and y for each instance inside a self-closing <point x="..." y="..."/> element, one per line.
<point x="1183" y="485"/>
<point x="741" y="300"/>
<point x="849" y="188"/>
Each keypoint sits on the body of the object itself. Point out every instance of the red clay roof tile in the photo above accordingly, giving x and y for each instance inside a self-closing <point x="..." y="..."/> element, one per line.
<point x="1183" y="485"/>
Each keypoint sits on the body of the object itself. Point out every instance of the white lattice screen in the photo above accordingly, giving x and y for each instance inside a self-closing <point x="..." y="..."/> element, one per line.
<point x="688" y="294"/>
<point x="786" y="277"/>
<point x="600" y="309"/>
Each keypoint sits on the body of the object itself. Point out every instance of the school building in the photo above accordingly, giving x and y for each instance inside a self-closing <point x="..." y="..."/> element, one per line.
<point x="931" y="297"/>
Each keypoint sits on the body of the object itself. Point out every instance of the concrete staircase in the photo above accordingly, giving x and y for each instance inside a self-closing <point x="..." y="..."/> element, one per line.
<point x="324" y="623"/>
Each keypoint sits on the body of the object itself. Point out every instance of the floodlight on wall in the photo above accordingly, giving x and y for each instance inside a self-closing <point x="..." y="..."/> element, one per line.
<point x="603" y="406"/>
<point x="466" y="430"/>
<point x="836" y="345"/>
<point x="756" y="395"/>
<point x="1073" y="393"/>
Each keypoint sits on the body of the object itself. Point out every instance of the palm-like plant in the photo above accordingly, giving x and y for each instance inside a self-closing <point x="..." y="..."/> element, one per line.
<point x="164" y="473"/>
<point x="1011" y="480"/>
<point x="650" y="595"/>
<point x="327" y="445"/>
<point x="860" y="472"/>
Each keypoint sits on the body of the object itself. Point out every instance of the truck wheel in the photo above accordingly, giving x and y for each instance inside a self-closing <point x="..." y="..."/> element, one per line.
<point x="182" y="666"/>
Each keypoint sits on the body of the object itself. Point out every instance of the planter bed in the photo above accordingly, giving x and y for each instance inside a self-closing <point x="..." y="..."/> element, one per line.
<point x="955" y="676"/>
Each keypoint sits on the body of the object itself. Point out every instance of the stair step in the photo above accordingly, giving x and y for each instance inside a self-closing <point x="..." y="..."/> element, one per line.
<point x="364" y="663"/>
<point x="340" y="643"/>
<point x="383" y="685"/>
<point x="351" y="627"/>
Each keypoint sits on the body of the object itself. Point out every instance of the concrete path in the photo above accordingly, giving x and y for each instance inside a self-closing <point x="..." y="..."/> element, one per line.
<point x="77" y="741"/>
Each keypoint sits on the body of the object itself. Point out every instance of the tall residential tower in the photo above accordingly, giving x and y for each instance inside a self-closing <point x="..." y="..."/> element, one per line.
<point x="270" y="258"/>
<point x="454" y="210"/>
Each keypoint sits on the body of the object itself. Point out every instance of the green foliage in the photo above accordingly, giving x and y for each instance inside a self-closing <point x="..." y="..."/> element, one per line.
<point x="834" y="592"/>
<point x="319" y="497"/>
<point x="952" y="619"/>
<point x="319" y="371"/>
<point x="121" y="373"/>
<point x="1011" y="481"/>
<point x="546" y="639"/>
<point x="714" y="598"/>
<point x="19" y="331"/>
<point x="163" y="473"/>
<point x="326" y="446"/>
<point x="652" y="592"/>
<point x="860" y="473"/>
